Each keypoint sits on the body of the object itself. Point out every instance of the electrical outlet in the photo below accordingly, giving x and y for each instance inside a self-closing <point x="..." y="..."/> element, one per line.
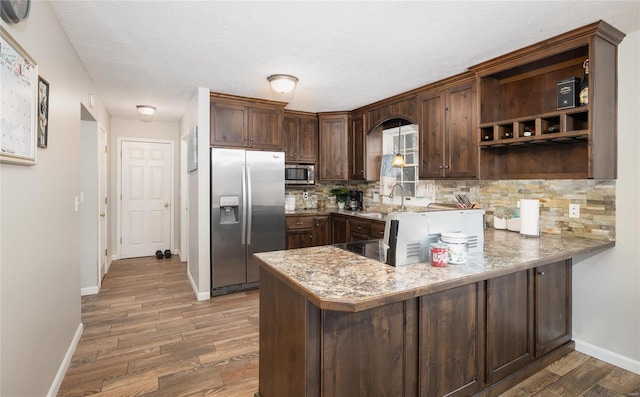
<point x="574" y="210"/>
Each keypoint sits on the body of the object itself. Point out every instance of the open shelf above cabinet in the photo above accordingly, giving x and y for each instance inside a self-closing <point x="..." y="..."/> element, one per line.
<point x="522" y="134"/>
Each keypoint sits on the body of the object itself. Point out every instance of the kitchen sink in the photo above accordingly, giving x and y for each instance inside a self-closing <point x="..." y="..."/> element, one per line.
<point x="374" y="215"/>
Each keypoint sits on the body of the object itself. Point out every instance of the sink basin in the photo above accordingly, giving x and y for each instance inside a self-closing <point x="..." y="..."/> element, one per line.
<point x="374" y="215"/>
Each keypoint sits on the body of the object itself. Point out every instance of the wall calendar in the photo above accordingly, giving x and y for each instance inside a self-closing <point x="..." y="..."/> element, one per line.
<point x="18" y="102"/>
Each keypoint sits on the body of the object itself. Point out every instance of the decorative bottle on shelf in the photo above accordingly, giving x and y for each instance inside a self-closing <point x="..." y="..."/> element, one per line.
<point x="584" y="85"/>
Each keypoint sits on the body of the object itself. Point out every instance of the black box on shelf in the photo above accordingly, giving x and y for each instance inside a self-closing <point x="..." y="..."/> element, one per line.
<point x="568" y="93"/>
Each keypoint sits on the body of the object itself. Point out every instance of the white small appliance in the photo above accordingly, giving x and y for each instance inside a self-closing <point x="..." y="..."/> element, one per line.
<point x="416" y="231"/>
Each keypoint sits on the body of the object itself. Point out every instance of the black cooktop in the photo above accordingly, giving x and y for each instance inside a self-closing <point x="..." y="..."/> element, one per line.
<point x="372" y="249"/>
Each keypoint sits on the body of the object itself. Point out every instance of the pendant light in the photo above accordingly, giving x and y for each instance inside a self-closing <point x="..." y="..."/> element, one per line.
<point x="398" y="160"/>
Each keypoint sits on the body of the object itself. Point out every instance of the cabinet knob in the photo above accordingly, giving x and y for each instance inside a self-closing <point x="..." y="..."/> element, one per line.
<point x="311" y="236"/>
<point x="317" y="225"/>
<point x="251" y="139"/>
<point x="541" y="273"/>
<point x="441" y="167"/>
<point x="446" y="167"/>
<point x="244" y="139"/>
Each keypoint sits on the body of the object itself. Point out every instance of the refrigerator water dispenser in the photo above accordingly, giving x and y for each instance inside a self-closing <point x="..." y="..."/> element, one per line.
<point x="229" y="209"/>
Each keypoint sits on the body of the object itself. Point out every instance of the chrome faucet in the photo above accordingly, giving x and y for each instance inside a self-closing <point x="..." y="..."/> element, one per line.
<point x="393" y="188"/>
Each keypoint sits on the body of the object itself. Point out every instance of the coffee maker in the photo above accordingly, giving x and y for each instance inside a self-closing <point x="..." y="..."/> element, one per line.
<point x="354" y="200"/>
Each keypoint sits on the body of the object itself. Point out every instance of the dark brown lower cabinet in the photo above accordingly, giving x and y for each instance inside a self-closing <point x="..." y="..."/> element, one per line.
<point x="477" y="339"/>
<point x="509" y="324"/>
<point x="553" y="306"/>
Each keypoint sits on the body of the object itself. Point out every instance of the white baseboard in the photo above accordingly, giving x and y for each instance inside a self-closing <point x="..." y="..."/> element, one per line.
<point x="89" y="290"/>
<point x="608" y="356"/>
<point x="64" y="365"/>
<point x="201" y="296"/>
<point x="115" y="257"/>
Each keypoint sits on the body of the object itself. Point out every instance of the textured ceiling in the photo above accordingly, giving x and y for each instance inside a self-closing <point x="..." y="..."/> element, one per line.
<point x="346" y="54"/>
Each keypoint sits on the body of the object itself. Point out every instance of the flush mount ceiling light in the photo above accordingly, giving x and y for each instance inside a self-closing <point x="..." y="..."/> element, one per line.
<point x="146" y="110"/>
<point x="398" y="159"/>
<point x="282" y="83"/>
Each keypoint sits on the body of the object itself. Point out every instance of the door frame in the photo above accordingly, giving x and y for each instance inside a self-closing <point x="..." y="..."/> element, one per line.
<point x="103" y="203"/>
<point x="119" y="188"/>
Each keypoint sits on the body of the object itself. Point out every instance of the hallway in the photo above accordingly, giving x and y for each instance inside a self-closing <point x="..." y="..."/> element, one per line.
<point x="145" y="334"/>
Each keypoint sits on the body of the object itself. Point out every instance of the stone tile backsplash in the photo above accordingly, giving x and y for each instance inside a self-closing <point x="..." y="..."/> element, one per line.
<point x="597" y="199"/>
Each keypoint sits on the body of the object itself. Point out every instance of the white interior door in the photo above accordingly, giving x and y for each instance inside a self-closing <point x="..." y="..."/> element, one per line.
<point x="146" y="198"/>
<point x="102" y="203"/>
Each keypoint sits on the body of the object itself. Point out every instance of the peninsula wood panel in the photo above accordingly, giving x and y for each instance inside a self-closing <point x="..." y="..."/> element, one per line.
<point x="350" y="366"/>
<point x="282" y="374"/>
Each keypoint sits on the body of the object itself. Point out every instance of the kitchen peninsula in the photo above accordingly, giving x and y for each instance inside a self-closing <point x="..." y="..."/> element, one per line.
<point x="334" y="323"/>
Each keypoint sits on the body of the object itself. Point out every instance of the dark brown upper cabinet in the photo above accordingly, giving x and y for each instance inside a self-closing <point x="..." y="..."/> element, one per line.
<point x="448" y="125"/>
<point x="300" y="136"/>
<point x="334" y="149"/>
<point x="245" y="122"/>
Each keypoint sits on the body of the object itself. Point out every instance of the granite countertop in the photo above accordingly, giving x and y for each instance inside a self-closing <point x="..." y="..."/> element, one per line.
<point x="328" y="211"/>
<point x="336" y="279"/>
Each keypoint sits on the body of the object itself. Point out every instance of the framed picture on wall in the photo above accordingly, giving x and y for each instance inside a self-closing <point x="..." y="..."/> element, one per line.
<point x="43" y="112"/>
<point x="19" y="93"/>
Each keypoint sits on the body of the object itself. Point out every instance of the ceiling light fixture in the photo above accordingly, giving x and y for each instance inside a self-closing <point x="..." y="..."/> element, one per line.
<point x="282" y="83"/>
<point x="398" y="159"/>
<point x="146" y="110"/>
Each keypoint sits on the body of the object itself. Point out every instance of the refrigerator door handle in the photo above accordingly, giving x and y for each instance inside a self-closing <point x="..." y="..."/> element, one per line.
<point x="249" y="209"/>
<point x="243" y="178"/>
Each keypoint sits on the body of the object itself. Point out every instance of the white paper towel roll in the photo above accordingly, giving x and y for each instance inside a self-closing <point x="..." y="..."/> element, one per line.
<point x="530" y="217"/>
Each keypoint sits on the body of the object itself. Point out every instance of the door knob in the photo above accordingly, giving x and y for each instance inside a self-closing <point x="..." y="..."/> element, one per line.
<point x="166" y="205"/>
<point x="102" y="215"/>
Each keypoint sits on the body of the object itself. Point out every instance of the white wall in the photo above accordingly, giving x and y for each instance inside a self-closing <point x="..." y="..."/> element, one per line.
<point x="39" y="228"/>
<point x="606" y="287"/>
<point x="123" y="128"/>
<point x="198" y="266"/>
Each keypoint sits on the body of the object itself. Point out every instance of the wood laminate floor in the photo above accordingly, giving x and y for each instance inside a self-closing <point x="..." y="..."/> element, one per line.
<point x="146" y="335"/>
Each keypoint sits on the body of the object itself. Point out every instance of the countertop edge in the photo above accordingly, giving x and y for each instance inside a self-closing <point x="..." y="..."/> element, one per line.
<point x="346" y="305"/>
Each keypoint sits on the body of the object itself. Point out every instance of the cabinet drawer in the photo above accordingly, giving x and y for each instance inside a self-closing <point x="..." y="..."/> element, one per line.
<point x="358" y="226"/>
<point x="377" y="230"/>
<point x="298" y="222"/>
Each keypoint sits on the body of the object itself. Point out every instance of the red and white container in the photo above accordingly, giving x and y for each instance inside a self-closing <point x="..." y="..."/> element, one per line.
<point x="439" y="255"/>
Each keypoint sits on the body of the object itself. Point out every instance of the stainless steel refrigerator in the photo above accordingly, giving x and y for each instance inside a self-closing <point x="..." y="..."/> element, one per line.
<point x="247" y="215"/>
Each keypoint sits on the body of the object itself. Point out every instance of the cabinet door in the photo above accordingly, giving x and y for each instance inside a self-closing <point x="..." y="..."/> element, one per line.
<point x="290" y="138"/>
<point x="321" y="228"/>
<point x="509" y="324"/>
<point x="264" y="128"/>
<point x="431" y="136"/>
<point x="334" y="159"/>
<point x="553" y="306"/>
<point x="307" y="140"/>
<point x="377" y="230"/>
<point x="338" y="229"/>
<point x="461" y="132"/>
<point x="299" y="238"/>
<point x="356" y="149"/>
<point x="451" y="325"/>
<point x="228" y="125"/>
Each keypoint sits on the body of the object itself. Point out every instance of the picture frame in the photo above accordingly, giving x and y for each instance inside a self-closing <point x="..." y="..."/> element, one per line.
<point x="192" y="150"/>
<point x="19" y="93"/>
<point x="43" y="112"/>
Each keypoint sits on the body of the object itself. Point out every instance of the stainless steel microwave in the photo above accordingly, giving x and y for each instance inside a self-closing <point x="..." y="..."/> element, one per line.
<point x="299" y="174"/>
